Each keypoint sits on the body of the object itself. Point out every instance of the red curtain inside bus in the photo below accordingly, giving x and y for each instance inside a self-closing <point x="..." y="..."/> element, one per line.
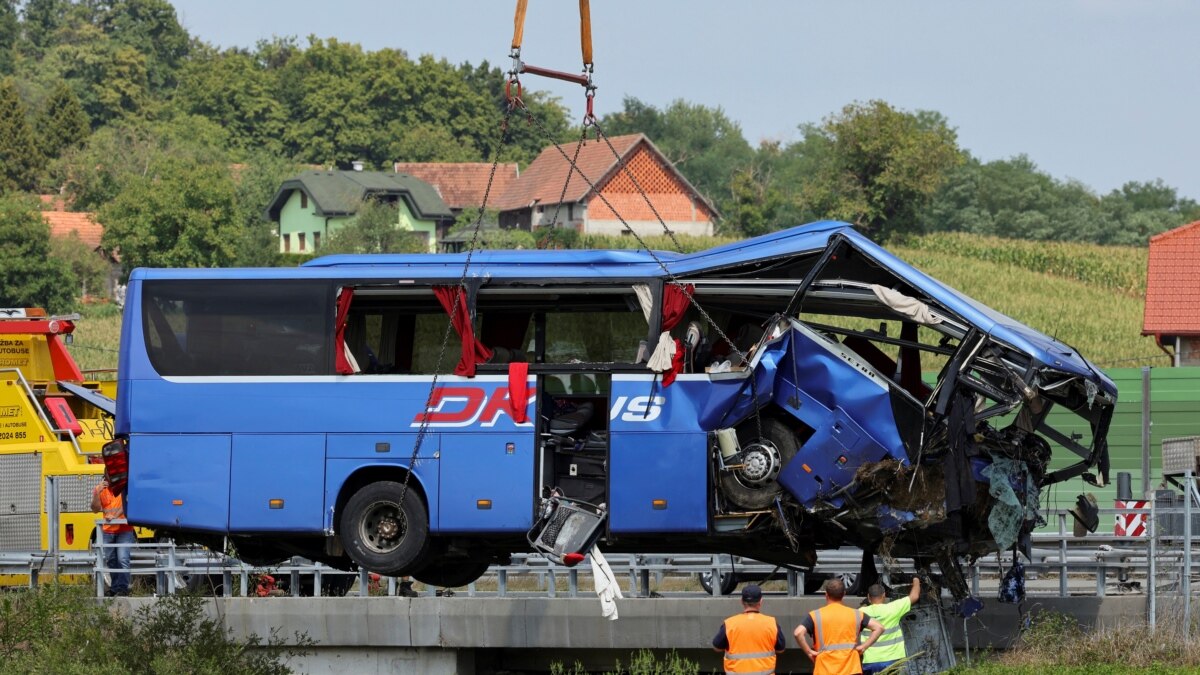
<point x="454" y="301"/>
<point x="341" y="363"/>
<point x="675" y="302"/>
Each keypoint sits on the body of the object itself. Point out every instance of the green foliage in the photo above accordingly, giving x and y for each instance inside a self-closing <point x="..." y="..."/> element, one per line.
<point x="1011" y="198"/>
<point x="61" y="630"/>
<point x="63" y="124"/>
<point x="257" y="243"/>
<point x="10" y="34"/>
<point x="375" y="229"/>
<point x="151" y="29"/>
<point x="40" y="19"/>
<point x="110" y="78"/>
<point x="89" y="267"/>
<point x="876" y="166"/>
<point x="20" y="160"/>
<point x="95" y="174"/>
<point x="29" y="276"/>
<point x="557" y="237"/>
<point x="180" y="214"/>
<point x="641" y="662"/>
<point x="235" y="91"/>
<point x="687" y="243"/>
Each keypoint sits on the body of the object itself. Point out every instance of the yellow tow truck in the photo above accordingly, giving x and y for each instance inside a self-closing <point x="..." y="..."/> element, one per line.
<point x="53" y="423"/>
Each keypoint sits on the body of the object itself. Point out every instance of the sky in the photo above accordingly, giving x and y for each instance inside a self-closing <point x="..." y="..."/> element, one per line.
<point x="1101" y="91"/>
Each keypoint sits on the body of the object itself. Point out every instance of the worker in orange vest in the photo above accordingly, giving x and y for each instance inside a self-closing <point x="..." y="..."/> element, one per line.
<point x="117" y="536"/>
<point x="750" y="640"/>
<point x="836" y="628"/>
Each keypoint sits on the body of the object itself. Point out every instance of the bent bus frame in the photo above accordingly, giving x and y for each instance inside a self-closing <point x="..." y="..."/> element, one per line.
<point x="289" y="409"/>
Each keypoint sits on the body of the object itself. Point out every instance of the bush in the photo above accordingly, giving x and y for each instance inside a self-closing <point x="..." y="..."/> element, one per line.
<point x="62" y="629"/>
<point x="642" y="662"/>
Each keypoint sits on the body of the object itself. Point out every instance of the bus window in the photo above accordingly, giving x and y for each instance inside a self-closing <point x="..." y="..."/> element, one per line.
<point x="564" y="325"/>
<point x="238" y="327"/>
<point x="399" y="331"/>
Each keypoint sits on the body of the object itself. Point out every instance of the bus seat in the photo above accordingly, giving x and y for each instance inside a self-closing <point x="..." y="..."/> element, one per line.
<point x="569" y="422"/>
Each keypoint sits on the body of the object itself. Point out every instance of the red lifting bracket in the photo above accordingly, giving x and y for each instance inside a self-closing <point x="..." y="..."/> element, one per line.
<point x="519" y="67"/>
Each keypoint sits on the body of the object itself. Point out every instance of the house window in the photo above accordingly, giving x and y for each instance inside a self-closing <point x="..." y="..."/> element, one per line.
<point x="300" y="236"/>
<point x="303" y="199"/>
<point x="316" y="240"/>
<point x="287" y="243"/>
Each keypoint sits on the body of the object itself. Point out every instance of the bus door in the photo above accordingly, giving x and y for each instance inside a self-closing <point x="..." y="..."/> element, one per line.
<point x="574" y="435"/>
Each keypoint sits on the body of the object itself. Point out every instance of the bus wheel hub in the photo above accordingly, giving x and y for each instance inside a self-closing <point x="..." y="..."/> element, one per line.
<point x="760" y="464"/>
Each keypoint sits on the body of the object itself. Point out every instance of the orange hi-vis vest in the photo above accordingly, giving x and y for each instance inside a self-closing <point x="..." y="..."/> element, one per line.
<point x="835" y="635"/>
<point x="751" y="638"/>
<point x="114" y="509"/>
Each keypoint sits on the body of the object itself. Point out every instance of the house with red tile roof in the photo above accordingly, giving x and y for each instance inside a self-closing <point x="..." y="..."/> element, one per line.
<point x="67" y="224"/>
<point x="611" y="204"/>
<point x="461" y="185"/>
<point x="609" y="201"/>
<point x="1172" y="313"/>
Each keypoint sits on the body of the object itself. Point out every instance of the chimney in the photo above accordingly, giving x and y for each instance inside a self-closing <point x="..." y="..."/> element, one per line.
<point x="357" y="164"/>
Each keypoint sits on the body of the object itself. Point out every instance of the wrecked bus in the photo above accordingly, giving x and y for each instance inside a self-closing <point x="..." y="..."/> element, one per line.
<point x="311" y="411"/>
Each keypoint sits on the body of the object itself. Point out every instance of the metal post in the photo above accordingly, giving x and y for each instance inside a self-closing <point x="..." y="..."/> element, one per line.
<point x="793" y="586"/>
<point x="1062" y="555"/>
<point x="227" y="583"/>
<point x="317" y="581"/>
<point x="171" y="563"/>
<point x="502" y="582"/>
<point x="1151" y="567"/>
<point x="52" y="523"/>
<point x="573" y="582"/>
<point x="364" y="582"/>
<point x="1146" y="432"/>
<point x="245" y="583"/>
<point x="1186" y="585"/>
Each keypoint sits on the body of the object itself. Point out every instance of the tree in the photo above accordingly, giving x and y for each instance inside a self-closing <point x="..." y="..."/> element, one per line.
<point x="96" y="173"/>
<point x="10" y="34"/>
<point x="151" y="28"/>
<point x="876" y="166"/>
<point x="257" y="243"/>
<point x="374" y="230"/>
<point x="232" y="90"/>
<point x="183" y="213"/>
<point x="29" y="276"/>
<point x="40" y="20"/>
<point x="89" y="267"/>
<point x="20" y="161"/>
<point x="63" y="124"/>
<point x="109" y="77"/>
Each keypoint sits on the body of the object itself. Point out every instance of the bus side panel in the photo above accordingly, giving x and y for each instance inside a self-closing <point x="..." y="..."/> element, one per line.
<point x="487" y="482"/>
<point x="157" y="498"/>
<point x="277" y="483"/>
<point x="337" y="470"/>
<point x="646" y="467"/>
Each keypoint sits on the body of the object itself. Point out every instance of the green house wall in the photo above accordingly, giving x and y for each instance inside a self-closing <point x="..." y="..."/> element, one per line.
<point x="294" y="219"/>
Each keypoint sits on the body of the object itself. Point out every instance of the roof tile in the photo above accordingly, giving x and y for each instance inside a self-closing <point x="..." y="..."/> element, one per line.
<point x="462" y="185"/>
<point x="63" y="223"/>
<point x="1173" y="283"/>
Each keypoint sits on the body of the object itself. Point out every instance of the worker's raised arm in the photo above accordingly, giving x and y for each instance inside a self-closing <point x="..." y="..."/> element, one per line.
<point x="915" y="593"/>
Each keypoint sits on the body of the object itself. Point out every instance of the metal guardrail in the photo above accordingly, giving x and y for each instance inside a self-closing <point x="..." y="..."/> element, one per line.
<point x="1132" y="560"/>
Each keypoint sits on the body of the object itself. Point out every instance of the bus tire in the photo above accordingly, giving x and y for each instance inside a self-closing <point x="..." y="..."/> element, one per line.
<point x="451" y="574"/>
<point x="776" y="434"/>
<point x="382" y="534"/>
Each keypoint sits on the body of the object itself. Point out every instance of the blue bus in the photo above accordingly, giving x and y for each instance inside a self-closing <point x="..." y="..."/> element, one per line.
<point x="419" y="415"/>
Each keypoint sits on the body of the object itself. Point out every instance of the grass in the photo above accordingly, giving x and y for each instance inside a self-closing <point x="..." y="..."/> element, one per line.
<point x="1055" y="642"/>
